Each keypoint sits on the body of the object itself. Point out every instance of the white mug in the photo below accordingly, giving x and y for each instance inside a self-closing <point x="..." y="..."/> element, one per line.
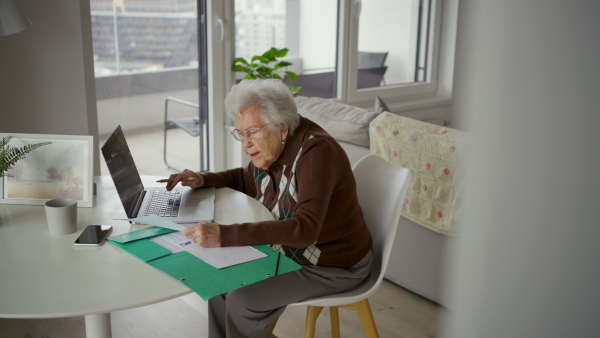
<point x="61" y="214"/>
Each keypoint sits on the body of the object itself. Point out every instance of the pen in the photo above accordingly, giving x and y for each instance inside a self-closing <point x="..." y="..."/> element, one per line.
<point x="277" y="265"/>
<point x="165" y="180"/>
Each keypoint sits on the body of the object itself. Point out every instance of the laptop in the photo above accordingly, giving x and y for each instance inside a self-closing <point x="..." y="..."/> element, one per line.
<point x="181" y="205"/>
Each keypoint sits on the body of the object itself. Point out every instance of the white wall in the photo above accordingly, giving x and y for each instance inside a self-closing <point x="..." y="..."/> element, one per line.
<point x="526" y="88"/>
<point x="46" y="72"/>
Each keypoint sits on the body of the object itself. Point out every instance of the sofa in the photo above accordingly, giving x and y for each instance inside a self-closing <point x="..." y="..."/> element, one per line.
<point x="418" y="256"/>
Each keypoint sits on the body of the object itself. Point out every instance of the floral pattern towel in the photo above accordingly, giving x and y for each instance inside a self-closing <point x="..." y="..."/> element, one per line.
<point x="436" y="155"/>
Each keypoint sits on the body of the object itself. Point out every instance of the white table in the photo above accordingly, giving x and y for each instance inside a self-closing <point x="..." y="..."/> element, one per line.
<point x="46" y="276"/>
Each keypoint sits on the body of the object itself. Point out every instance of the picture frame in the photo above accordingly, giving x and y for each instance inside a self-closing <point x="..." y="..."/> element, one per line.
<point x="63" y="168"/>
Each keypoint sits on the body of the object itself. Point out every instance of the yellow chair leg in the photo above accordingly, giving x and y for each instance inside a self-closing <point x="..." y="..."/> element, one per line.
<point x="362" y="308"/>
<point x="335" y="321"/>
<point x="366" y="318"/>
<point x="274" y="323"/>
<point x="312" y="313"/>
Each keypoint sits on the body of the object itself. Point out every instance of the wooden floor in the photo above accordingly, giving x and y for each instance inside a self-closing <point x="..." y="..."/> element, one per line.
<point x="397" y="311"/>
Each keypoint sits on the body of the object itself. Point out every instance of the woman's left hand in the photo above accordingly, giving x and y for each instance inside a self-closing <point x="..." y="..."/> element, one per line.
<point x="205" y="234"/>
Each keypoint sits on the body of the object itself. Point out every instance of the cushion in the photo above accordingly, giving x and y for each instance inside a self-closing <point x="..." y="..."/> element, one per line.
<point x="344" y="122"/>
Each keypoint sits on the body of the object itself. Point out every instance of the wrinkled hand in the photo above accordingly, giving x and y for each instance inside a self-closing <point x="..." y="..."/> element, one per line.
<point x="184" y="177"/>
<point x="205" y="234"/>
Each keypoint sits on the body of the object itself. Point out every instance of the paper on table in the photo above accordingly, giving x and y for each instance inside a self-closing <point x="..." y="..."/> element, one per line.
<point x="217" y="257"/>
<point x="158" y="221"/>
<point x="173" y="241"/>
<point x="223" y="257"/>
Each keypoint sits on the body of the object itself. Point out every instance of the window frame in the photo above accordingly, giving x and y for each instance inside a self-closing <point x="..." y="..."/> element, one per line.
<point x="220" y="37"/>
<point x="348" y="52"/>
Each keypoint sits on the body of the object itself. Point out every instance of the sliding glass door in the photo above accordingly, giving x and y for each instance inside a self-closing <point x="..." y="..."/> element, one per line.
<point x="148" y="69"/>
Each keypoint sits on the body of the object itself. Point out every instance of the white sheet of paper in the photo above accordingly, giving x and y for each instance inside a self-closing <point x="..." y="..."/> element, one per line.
<point x="225" y="256"/>
<point x="158" y="221"/>
<point x="174" y="241"/>
<point x="217" y="257"/>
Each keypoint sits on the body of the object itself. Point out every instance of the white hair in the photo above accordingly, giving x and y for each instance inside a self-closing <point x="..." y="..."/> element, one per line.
<point x="272" y="96"/>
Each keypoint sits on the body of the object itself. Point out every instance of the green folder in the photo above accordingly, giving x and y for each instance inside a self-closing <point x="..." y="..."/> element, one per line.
<point x="201" y="277"/>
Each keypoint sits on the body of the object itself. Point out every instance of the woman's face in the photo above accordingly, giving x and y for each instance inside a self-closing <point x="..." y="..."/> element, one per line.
<point x="265" y="146"/>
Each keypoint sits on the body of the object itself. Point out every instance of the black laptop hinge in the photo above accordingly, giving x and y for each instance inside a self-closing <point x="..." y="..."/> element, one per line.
<point x="138" y="204"/>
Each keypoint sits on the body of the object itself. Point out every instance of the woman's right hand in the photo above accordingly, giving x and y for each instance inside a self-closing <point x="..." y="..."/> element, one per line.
<point x="187" y="178"/>
<point x="205" y="234"/>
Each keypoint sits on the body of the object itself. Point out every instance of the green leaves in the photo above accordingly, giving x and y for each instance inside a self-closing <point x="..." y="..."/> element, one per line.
<point x="260" y="67"/>
<point x="10" y="155"/>
<point x="291" y="75"/>
<point x="275" y="53"/>
<point x="295" y="90"/>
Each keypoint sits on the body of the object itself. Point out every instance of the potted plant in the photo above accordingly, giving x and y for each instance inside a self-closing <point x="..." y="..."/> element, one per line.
<point x="10" y="155"/>
<point x="260" y="67"/>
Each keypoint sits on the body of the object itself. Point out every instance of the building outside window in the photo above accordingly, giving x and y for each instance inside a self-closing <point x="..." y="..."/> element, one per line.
<point x="142" y="36"/>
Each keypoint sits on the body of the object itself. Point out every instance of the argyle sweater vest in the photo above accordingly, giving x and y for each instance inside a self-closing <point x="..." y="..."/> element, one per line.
<point x="279" y="195"/>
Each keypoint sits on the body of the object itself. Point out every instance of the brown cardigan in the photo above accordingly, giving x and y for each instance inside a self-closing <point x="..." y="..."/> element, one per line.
<point x="311" y="191"/>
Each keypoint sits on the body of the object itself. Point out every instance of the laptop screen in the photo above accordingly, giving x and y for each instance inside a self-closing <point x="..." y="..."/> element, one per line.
<point x="123" y="170"/>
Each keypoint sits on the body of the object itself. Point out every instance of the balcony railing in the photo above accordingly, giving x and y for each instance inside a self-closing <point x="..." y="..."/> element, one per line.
<point x="136" y="100"/>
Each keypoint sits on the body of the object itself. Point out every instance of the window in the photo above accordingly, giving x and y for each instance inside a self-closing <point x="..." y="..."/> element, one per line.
<point x="143" y="36"/>
<point x="259" y="25"/>
<point x="392" y="49"/>
<point x="401" y="55"/>
<point x="349" y="50"/>
<point x="144" y="52"/>
<point x="262" y="24"/>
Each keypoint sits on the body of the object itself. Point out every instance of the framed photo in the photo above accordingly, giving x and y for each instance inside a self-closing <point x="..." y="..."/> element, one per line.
<point x="61" y="169"/>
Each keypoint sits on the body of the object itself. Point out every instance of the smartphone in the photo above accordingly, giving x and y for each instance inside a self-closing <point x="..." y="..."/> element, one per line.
<point x="93" y="235"/>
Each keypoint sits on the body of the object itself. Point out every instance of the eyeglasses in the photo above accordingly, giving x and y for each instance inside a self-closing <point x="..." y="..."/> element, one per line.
<point x="252" y="133"/>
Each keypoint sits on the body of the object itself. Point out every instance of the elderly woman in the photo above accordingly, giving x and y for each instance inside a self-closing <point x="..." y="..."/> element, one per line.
<point x="303" y="176"/>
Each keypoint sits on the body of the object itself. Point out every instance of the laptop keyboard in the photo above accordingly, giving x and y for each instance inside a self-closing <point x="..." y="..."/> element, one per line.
<point x="163" y="203"/>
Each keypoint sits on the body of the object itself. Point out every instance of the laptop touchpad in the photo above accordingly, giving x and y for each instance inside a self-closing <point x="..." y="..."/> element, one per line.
<point x="202" y="200"/>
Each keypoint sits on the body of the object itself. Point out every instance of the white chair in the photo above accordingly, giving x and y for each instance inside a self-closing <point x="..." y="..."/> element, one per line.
<point x="381" y="188"/>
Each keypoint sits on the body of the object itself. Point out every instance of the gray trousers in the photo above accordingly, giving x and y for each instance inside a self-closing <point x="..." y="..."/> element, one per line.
<point x="250" y="310"/>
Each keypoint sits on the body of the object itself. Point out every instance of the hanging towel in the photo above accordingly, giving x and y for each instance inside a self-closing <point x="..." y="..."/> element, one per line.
<point x="435" y="154"/>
